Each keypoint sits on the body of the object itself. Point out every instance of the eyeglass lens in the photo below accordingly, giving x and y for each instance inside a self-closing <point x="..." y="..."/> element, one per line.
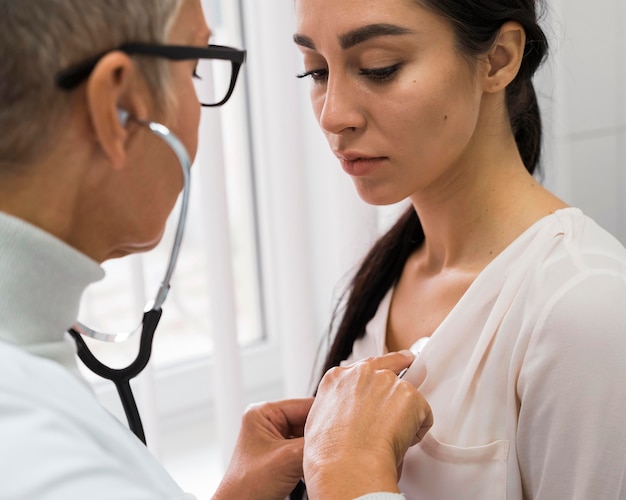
<point x="212" y="80"/>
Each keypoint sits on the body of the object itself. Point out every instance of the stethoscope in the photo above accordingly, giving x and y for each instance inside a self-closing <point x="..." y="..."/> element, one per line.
<point x="121" y="376"/>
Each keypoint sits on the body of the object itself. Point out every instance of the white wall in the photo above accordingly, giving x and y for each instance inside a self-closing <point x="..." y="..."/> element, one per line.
<point x="584" y="102"/>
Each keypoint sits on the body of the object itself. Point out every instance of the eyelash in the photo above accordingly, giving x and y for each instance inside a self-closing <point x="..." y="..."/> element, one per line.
<point x="195" y="74"/>
<point x="375" y="74"/>
<point x="317" y="75"/>
<point x="381" y="74"/>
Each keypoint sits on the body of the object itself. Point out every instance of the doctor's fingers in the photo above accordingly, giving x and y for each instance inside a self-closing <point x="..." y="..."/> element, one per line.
<point x="363" y="399"/>
<point x="263" y="466"/>
<point x="285" y="418"/>
<point x="425" y="421"/>
<point x="379" y="370"/>
<point x="394" y="361"/>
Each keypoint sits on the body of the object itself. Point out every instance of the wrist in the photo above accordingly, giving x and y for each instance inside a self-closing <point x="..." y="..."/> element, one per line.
<point x="235" y="483"/>
<point x="349" y="477"/>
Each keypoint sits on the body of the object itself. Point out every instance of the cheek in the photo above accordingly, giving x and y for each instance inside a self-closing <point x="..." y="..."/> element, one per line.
<point x="436" y="114"/>
<point x="190" y="120"/>
<point x="186" y="119"/>
<point x="191" y="129"/>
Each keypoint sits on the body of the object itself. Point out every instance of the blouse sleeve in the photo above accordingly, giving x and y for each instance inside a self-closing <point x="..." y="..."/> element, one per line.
<point x="571" y="437"/>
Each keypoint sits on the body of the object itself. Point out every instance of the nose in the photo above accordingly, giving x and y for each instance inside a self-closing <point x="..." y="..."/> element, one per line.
<point x="340" y="106"/>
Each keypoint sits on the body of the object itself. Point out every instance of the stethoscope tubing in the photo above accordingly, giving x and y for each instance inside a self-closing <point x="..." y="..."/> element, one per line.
<point x="121" y="377"/>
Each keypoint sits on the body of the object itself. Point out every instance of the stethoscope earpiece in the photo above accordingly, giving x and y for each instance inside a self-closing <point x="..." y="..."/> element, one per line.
<point x="122" y="116"/>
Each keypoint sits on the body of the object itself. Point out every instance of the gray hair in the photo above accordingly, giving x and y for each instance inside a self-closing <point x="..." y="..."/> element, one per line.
<point x="38" y="38"/>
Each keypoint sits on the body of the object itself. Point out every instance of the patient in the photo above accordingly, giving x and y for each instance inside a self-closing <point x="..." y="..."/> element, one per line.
<point x="523" y="297"/>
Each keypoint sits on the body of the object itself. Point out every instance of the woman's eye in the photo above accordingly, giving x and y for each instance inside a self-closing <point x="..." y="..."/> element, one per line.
<point x="374" y="74"/>
<point x="380" y="74"/>
<point x="317" y="75"/>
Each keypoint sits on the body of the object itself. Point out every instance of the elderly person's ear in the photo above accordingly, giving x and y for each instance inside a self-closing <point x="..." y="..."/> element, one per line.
<point x="114" y="91"/>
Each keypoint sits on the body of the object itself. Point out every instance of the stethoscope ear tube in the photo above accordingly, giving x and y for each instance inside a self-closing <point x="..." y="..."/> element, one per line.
<point x="121" y="376"/>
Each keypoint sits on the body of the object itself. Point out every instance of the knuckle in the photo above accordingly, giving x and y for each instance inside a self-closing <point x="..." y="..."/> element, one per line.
<point x="330" y="377"/>
<point x="334" y="371"/>
<point x="409" y="392"/>
<point x="253" y="410"/>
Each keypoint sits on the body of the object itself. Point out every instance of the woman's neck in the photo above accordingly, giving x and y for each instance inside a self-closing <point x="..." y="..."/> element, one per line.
<point x="470" y="219"/>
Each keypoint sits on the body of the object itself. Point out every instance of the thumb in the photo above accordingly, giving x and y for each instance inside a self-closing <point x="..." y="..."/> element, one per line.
<point x="394" y="361"/>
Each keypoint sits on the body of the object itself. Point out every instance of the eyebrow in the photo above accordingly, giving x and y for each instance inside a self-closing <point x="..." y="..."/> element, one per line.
<point x="359" y="35"/>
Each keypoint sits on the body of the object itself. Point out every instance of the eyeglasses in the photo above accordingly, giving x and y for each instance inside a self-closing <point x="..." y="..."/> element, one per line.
<point x="214" y="77"/>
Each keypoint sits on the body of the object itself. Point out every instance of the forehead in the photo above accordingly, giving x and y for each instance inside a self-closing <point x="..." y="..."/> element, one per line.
<point x="324" y="17"/>
<point x="189" y="26"/>
<point x="355" y="10"/>
<point x="326" y="23"/>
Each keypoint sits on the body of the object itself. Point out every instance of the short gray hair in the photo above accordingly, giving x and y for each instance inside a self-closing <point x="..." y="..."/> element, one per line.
<point x="38" y="38"/>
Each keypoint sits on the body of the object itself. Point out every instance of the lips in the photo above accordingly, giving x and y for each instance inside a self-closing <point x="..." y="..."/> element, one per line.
<point x="359" y="165"/>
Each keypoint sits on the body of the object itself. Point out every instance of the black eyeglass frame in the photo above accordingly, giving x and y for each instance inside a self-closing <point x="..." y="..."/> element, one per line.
<point x="73" y="76"/>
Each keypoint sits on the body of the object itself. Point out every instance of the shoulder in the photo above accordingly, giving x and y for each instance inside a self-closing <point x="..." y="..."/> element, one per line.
<point x="585" y="244"/>
<point x="575" y="287"/>
<point x="52" y="422"/>
<point x="569" y="252"/>
<point x="39" y="380"/>
<point x="40" y="400"/>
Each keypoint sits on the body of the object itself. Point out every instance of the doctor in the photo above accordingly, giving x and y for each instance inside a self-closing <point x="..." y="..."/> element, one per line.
<point x="83" y="179"/>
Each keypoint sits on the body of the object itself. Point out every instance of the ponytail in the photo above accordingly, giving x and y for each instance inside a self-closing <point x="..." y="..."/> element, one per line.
<point x="525" y="118"/>
<point x="379" y="271"/>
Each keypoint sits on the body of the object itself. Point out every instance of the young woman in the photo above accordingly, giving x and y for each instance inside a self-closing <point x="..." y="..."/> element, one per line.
<point x="522" y="298"/>
<point x="85" y="177"/>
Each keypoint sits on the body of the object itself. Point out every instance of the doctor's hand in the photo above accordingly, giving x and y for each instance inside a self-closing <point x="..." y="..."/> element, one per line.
<point x="361" y="425"/>
<point x="267" y="461"/>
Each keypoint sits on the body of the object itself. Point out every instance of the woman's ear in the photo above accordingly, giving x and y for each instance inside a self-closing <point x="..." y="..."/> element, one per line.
<point x="505" y="57"/>
<point x="114" y="90"/>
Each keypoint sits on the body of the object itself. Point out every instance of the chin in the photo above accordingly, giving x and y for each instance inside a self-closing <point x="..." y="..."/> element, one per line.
<point x="132" y="248"/>
<point x="375" y="195"/>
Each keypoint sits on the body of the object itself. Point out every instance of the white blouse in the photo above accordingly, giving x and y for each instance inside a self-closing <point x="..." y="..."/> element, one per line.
<point x="527" y="374"/>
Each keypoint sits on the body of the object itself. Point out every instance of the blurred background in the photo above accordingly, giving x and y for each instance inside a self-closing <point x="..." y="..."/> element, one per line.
<point x="275" y="228"/>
